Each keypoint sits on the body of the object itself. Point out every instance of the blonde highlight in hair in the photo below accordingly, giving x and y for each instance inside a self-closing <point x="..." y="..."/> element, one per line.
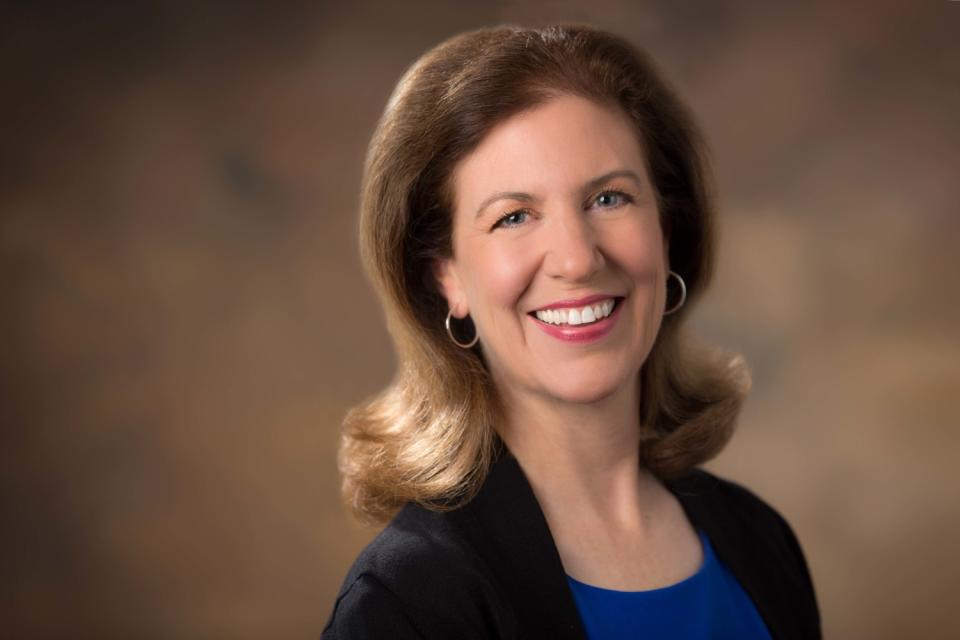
<point x="430" y="436"/>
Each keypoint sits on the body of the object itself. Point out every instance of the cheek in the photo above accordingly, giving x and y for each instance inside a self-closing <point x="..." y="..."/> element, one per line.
<point x="640" y="252"/>
<point x="503" y="274"/>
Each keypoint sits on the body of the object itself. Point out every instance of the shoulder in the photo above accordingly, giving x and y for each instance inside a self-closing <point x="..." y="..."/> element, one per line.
<point x="756" y="542"/>
<point x="710" y="496"/>
<point x="420" y="577"/>
<point x="743" y="509"/>
<point x="735" y="515"/>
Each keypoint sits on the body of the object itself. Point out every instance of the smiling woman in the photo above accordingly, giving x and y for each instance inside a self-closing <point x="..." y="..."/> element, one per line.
<point x="579" y="240"/>
<point x="537" y="221"/>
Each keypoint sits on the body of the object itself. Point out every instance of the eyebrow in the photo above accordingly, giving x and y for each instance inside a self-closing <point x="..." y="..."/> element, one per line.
<point x="591" y="184"/>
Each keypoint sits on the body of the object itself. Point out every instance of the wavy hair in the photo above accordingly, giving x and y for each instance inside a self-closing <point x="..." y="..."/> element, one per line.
<point x="429" y="437"/>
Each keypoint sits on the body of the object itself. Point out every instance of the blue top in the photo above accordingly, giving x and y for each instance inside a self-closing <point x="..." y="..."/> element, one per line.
<point x="708" y="604"/>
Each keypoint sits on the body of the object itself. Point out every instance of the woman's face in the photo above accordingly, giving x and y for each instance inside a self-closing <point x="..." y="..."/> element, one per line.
<point x="555" y="212"/>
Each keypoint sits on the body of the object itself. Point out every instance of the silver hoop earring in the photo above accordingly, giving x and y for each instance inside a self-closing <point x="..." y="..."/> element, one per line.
<point x="683" y="293"/>
<point x="476" y="336"/>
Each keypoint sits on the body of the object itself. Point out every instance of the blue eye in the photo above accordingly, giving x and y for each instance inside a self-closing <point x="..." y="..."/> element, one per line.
<point x="512" y="219"/>
<point x="611" y="199"/>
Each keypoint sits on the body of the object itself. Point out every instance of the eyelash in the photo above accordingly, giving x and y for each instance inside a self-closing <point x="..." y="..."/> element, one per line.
<point x="625" y="197"/>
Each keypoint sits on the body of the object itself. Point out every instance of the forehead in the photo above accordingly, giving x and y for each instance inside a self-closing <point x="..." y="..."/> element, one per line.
<point x="557" y="145"/>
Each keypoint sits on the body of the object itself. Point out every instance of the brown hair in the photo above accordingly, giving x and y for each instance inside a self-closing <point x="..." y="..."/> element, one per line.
<point x="429" y="436"/>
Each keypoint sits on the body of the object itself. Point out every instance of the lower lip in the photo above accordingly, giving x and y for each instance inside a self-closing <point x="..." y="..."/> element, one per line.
<point x="581" y="333"/>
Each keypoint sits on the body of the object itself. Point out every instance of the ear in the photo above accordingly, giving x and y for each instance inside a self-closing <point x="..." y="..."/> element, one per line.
<point x="445" y="273"/>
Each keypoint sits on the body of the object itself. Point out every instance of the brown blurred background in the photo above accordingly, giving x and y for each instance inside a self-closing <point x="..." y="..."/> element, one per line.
<point x="185" y="320"/>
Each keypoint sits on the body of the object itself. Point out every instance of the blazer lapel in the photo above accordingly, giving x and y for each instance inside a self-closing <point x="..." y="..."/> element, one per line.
<point x="511" y="533"/>
<point x="737" y="543"/>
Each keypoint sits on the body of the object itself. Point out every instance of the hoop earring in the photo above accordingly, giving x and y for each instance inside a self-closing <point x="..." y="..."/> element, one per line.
<point x="683" y="293"/>
<point x="476" y="336"/>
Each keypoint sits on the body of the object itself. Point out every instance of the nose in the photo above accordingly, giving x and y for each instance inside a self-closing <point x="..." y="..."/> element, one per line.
<point x="573" y="252"/>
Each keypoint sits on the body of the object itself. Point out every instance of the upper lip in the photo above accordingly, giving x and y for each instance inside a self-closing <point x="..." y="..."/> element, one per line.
<point x="577" y="302"/>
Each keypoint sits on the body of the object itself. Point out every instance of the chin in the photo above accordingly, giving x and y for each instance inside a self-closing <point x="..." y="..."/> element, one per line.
<point x="585" y="393"/>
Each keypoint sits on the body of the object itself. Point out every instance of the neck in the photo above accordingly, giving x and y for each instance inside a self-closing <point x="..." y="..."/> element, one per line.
<point x="582" y="460"/>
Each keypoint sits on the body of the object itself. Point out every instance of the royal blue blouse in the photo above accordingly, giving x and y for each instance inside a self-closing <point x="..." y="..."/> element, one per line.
<point x="708" y="604"/>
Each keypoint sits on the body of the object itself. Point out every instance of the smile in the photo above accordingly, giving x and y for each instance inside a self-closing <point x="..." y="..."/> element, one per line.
<point x="576" y="316"/>
<point x="579" y="324"/>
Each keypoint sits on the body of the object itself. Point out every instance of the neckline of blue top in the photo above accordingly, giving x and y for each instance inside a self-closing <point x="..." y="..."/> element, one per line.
<point x="708" y="560"/>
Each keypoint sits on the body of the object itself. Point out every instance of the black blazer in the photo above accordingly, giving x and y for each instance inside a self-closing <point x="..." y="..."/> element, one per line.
<point x="490" y="569"/>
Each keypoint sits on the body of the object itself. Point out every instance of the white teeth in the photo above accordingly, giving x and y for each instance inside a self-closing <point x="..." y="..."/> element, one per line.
<point x="583" y="315"/>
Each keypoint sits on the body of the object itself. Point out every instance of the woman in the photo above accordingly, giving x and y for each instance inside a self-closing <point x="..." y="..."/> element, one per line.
<point x="537" y="220"/>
